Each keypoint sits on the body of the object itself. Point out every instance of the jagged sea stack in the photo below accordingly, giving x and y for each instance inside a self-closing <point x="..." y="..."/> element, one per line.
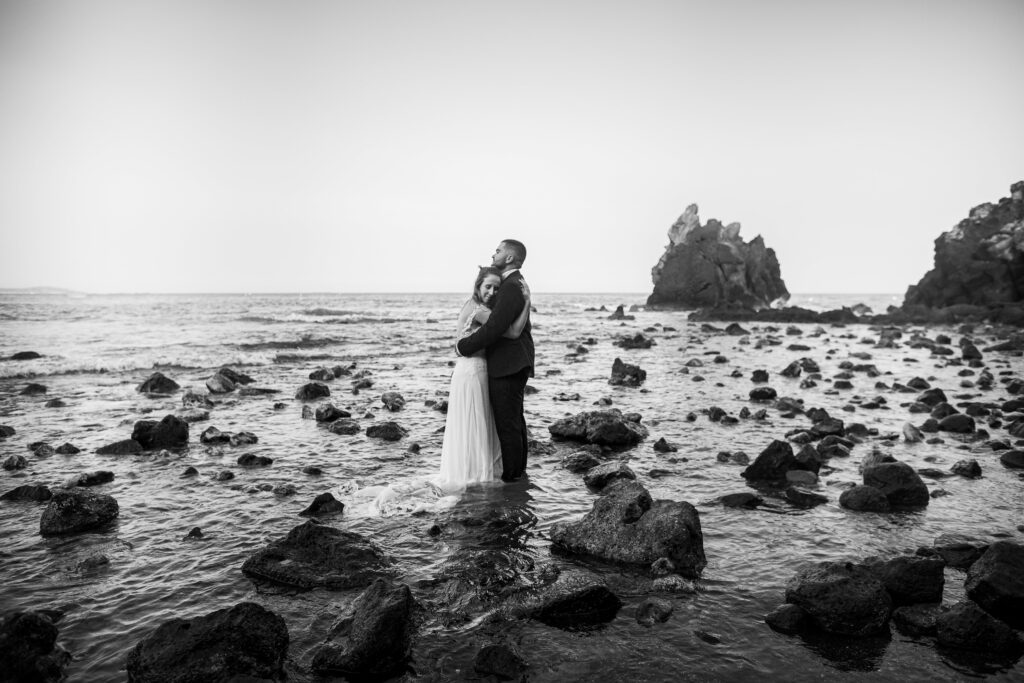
<point x="980" y="261"/>
<point x="710" y="265"/>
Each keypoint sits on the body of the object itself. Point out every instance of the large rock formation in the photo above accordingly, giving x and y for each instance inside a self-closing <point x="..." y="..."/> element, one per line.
<point x="980" y="261"/>
<point x="708" y="265"/>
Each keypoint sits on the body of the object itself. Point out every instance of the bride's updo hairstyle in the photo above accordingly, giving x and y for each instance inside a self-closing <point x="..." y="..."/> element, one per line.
<point x="484" y="272"/>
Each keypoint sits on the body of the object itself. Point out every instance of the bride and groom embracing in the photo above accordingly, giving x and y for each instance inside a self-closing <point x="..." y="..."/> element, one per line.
<point x="485" y="431"/>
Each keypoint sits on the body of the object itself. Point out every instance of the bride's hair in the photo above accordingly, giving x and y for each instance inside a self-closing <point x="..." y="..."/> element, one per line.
<point x="484" y="272"/>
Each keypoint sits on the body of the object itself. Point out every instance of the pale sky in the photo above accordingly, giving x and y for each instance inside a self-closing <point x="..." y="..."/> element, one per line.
<point x="257" y="146"/>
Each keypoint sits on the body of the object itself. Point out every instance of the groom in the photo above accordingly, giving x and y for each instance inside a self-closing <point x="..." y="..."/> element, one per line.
<point x="509" y="361"/>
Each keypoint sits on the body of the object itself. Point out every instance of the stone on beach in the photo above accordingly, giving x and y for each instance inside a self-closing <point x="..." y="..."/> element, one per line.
<point x="967" y="626"/>
<point x="312" y="391"/>
<point x="376" y="640"/>
<point x="328" y="412"/>
<point x="626" y="526"/>
<point x="243" y="642"/>
<point x="324" y="504"/>
<point x="773" y="463"/>
<point x="600" y="476"/>
<point x="601" y="427"/>
<point x="996" y="582"/>
<point x="862" y="498"/>
<point x="123" y="447"/>
<point x="314" y="555"/>
<point x="573" y="600"/>
<point x="15" y="462"/>
<point x="344" y="426"/>
<point x="841" y="598"/>
<point x="91" y="478"/>
<point x="73" y="510"/>
<point x="220" y="384"/>
<point x="900" y="484"/>
<point x="170" y="432"/>
<point x="626" y="374"/>
<point x="31" y="492"/>
<point x="28" y="649"/>
<point x="389" y="431"/>
<point x="392" y="400"/>
<point x="158" y="383"/>
<point x="909" y="579"/>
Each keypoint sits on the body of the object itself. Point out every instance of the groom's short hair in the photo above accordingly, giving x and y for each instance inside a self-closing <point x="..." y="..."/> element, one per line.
<point x="519" y="248"/>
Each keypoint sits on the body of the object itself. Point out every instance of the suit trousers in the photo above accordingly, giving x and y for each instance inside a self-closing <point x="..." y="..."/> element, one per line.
<point x="507" y="403"/>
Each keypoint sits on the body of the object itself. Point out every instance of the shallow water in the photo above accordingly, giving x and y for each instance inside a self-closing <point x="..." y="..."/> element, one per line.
<point x="97" y="349"/>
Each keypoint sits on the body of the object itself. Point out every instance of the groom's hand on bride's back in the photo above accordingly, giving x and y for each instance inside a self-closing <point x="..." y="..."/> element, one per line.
<point x="507" y="305"/>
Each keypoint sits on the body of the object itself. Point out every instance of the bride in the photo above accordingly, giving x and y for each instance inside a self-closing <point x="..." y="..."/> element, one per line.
<point x="470" y="453"/>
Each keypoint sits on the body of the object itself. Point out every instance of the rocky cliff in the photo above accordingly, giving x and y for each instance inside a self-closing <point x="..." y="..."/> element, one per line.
<point x="710" y="265"/>
<point x="980" y="261"/>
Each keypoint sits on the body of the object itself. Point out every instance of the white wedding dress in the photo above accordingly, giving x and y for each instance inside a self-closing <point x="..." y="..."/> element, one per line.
<point x="470" y="452"/>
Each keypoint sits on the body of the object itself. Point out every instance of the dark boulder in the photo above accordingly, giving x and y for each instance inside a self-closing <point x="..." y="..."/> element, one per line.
<point x="601" y="427"/>
<point x="1012" y="459"/>
<point x="626" y="526"/>
<point x="996" y="582"/>
<point x="91" y="478"/>
<point x="213" y="435"/>
<point x="26" y="355"/>
<point x="573" y="600"/>
<point x="328" y="412"/>
<point x="626" y="374"/>
<point x="841" y="598"/>
<point x="6" y="431"/>
<point x="244" y="642"/>
<point x="220" y="383"/>
<point x="29" y="651"/>
<point x="253" y="460"/>
<point x="67" y="448"/>
<point x="32" y="492"/>
<point x="580" y="461"/>
<point x="967" y="468"/>
<point x="15" y="462"/>
<point x="392" y="400"/>
<point x="637" y="341"/>
<point x="389" y="431"/>
<point x="917" y="620"/>
<point x="899" y="483"/>
<point x="125" y="447"/>
<point x="344" y="426"/>
<point x="312" y="391"/>
<point x="932" y="397"/>
<point x="170" y="432"/>
<point x="314" y="555"/>
<point x="744" y="499"/>
<point x="708" y="265"/>
<point x="324" y="504"/>
<point x="763" y="394"/>
<point x="803" y="498"/>
<point x="500" y="661"/>
<point x="157" y="383"/>
<point x="957" y="423"/>
<point x="375" y="641"/>
<point x="864" y="499"/>
<point x="72" y="510"/>
<point x="773" y="463"/>
<point x="600" y="476"/>
<point x="33" y="389"/>
<point x="966" y="626"/>
<point x="787" y="619"/>
<point x="243" y="439"/>
<point x="910" y="579"/>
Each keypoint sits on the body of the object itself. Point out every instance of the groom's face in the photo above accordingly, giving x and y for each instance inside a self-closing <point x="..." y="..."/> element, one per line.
<point x="502" y="256"/>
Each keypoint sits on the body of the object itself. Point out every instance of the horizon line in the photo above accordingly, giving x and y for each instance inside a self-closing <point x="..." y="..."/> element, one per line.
<point x="62" y="290"/>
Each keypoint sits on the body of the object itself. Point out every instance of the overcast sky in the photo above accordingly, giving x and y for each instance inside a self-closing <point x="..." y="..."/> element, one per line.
<point x="256" y="146"/>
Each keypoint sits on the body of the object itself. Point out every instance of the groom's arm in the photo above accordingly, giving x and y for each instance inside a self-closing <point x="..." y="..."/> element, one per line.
<point x="507" y="308"/>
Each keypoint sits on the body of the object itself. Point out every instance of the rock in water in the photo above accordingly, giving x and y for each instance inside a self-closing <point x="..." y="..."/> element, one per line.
<point x="500" y="661"/>
<point x="29" y="650"/>
<point x="170" y="432"/>
<point x="773" y="463"/>
<point x="910" y="579"/>
<point x="968" y="627"/>
<point x="600" y="476"/>
<point x="626" y="375"/>
<point x="573" y="600"/>
<point x="377" y="639"/>
<point x="125" y="447"/>
<point x="626" y="526"/>
<point x="324" y="504"/>
<point x="389" y="431"/>
<point x="996" y="582"/>
<point x="708" y="265"/>
<point x="980" y="261"/>
<point x="601" y="427"/>
<point x="36" y="492"/>
<point x="392" y="400"/>
<point x="864" y="499"/>
<point x="241" y="642"/>
<point x="841" y="598"/>
<point x="73" y="510"/>
<point x="900" y="484"/>
<point x="157" y="383"/>
<point x="312" y="391"/>
<point x="314" y="555"/>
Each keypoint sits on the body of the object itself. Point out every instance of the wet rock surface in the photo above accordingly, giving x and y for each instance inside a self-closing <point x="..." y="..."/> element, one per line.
<point x="315" y="555"/>
<point x="600" y="427"/>
<point x="841" y="598"/>
<point x="244" y="642"/>
<point x="29" y="649"/>
<point x="74" y="510"/>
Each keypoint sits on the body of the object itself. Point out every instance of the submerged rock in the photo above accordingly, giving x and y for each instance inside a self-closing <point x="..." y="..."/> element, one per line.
<point x="314" y="555"/>
<point x="900" y="484"/>
<point x="841" y="598"/>
<point x="573" y="600"/>
<point x="601" y="427"/>
<point x="968" y="627"/>
<point x="32" y="492"/>
<point x="324" y="504"/>
<point x="500" y="661"/>
<point x="909" y="579"/>
<point x="864" y="499"/>
<point x="125" y="447"/>
<point x="626" y="526"/>
<point x="28" y="649"/>
<point x="600" y="476"/>
<point x="376" y="640"/>
<point x="244" y="642"/>
<point x="72" y="510"/>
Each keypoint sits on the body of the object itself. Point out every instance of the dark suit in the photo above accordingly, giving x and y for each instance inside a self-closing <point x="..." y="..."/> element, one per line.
<point x="509" y="365"/>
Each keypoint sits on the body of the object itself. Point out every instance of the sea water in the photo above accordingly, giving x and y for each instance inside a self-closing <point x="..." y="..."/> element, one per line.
<point x="98" y="348"/>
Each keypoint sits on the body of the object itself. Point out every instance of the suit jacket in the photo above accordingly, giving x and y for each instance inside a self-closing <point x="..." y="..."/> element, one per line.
<point x="504" y="356"/>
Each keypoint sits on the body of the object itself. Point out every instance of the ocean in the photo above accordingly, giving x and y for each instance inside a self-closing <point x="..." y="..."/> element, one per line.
<point x="96" y="349"/>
